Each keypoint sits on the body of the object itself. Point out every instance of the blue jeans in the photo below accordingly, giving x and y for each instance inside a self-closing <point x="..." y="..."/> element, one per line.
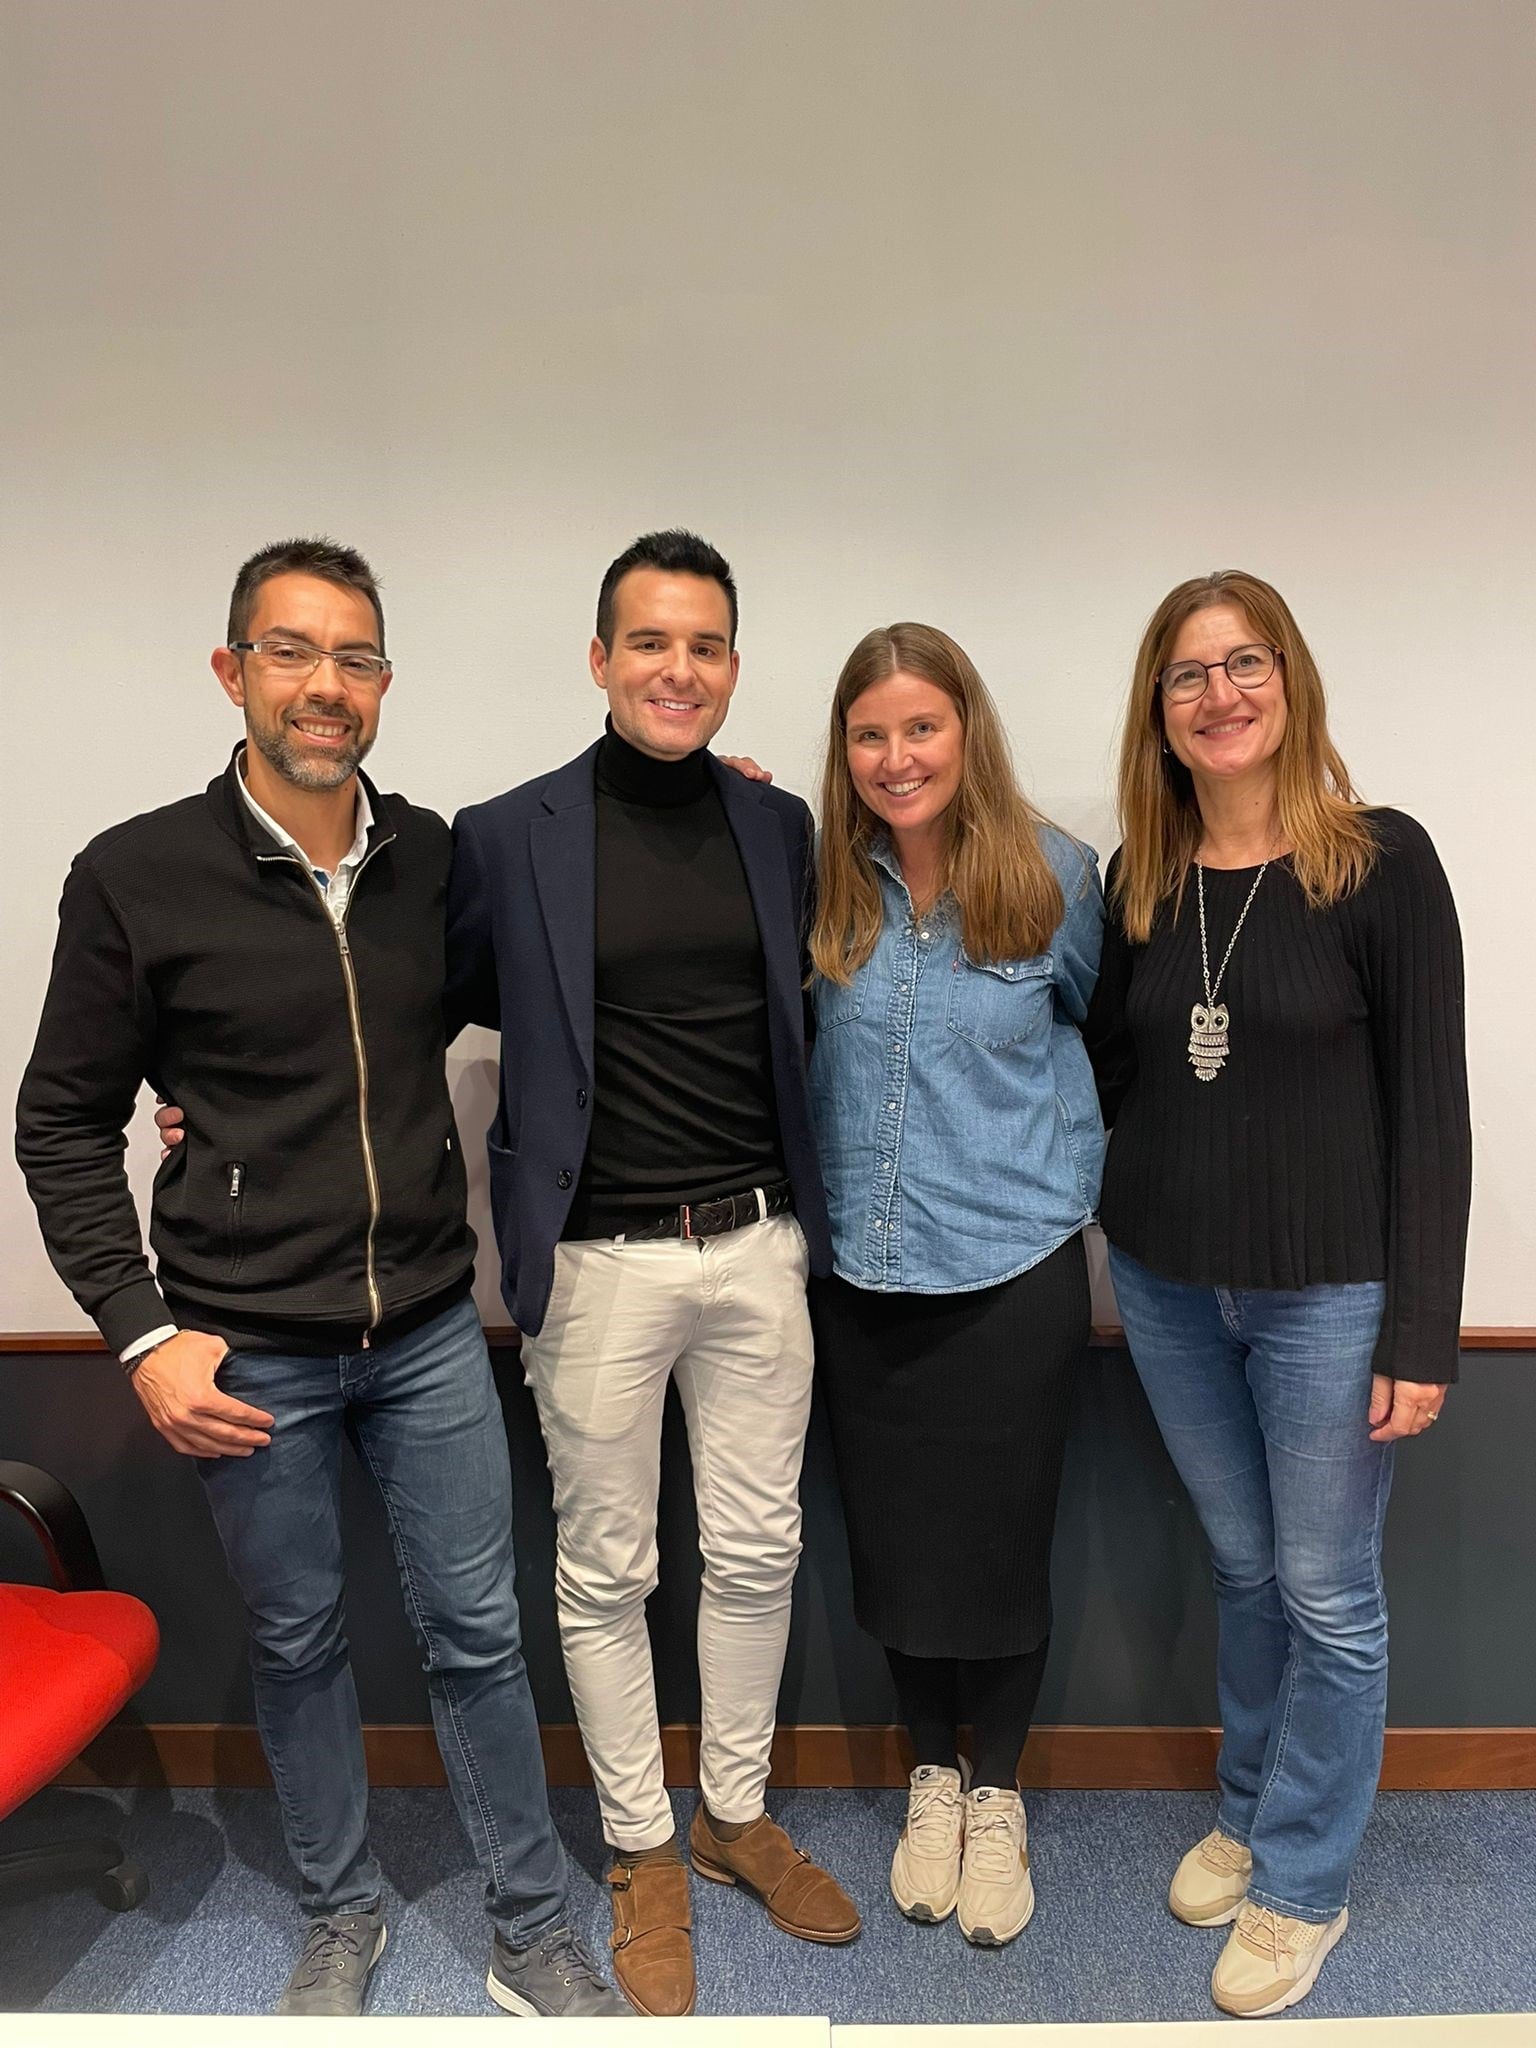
<point x="423" y="1415"/>
<point x="1262" y="1399"/>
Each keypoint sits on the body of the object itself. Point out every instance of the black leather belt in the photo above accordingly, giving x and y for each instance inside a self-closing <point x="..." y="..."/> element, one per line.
<point x="713" y="1219"/>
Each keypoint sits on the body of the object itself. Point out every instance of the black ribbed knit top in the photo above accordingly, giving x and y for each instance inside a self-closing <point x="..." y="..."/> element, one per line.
<point x="1334" y="1145"/>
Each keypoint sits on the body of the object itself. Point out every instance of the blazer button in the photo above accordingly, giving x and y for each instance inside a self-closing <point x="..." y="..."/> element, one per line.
<point x="563" y="1177"/>
<point x="581" y="1098"/>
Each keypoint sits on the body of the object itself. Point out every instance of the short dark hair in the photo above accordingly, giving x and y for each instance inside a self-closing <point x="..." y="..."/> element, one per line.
<point x="679" y="553"/>
<point x="327" y="559"/>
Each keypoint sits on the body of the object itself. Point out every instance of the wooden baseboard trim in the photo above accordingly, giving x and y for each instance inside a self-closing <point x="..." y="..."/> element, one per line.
<point x="1066" y="1759"/>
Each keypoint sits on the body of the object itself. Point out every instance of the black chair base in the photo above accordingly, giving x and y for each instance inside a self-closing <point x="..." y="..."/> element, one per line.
<point x="57" y="1866"/>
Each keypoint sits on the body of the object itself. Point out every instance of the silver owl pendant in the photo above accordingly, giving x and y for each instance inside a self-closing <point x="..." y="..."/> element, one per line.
<point x="1208" y="1039"/>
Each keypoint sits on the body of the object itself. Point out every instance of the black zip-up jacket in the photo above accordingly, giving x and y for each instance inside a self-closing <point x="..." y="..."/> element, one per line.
<point x="320" y="1185"/>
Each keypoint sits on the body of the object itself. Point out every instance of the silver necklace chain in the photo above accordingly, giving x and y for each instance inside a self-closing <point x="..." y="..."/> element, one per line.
<point x="1211" y="987"/>
<point x="1209" y="1038"/>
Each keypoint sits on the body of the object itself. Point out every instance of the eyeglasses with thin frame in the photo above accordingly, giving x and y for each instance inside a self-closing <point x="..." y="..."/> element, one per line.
<point x="298" y="659"/>
<point x="1247" y="667"/>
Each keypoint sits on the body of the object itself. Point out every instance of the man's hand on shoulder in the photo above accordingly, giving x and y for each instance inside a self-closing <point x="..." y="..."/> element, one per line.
<point x="177" y="1386"/>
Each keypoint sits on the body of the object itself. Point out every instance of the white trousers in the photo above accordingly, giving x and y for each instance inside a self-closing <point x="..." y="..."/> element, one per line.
<point x="727" y="1317"/>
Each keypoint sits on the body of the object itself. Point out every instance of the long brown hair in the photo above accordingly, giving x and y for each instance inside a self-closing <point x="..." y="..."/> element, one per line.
<point x="1009" y="898"/>
<point x="1320" y="813"/>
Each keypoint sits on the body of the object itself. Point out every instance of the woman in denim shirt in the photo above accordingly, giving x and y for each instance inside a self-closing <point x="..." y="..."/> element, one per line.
<point x="956" y="943"/>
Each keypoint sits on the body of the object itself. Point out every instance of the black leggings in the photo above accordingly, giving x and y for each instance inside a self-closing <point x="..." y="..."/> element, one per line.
<point x="995" y="1694"/>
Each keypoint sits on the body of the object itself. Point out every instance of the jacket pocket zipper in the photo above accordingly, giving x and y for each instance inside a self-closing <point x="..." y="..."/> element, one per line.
<point x="236" y="1205"/>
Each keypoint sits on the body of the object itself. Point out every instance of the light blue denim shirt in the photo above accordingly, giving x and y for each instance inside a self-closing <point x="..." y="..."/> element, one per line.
<point x="956" y="1116"/>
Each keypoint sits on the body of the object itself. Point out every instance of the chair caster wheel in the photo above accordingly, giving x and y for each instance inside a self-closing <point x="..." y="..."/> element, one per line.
<point x="123" y="1888"/>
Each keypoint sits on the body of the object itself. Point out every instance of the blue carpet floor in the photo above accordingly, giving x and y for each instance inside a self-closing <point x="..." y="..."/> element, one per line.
<point x="1443" y="1915"/>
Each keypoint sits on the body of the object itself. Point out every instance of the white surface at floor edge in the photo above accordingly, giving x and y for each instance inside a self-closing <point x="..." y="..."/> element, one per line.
<point x="212" y="2030"/>
<point x="1456" y="2030"/>
<point x="153" y="2030"/>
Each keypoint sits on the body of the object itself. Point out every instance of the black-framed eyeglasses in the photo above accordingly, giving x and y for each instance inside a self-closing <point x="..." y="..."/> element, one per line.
<point x="298" y="659"/>
<point x="1247" y="667"/>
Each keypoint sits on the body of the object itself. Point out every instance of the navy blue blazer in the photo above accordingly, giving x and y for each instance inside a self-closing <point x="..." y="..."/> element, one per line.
<point x="522" y="925"/>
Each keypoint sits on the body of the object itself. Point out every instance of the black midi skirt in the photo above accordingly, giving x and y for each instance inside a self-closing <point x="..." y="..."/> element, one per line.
<point x="949" y="1415"/>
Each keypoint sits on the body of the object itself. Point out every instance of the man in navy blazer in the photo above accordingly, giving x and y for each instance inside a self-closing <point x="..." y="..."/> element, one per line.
<point x="634" y="925"/>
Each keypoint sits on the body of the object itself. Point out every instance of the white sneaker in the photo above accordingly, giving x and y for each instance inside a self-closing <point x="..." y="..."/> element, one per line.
<point x="997" y="1893"/>
<point x="1271" y="1961"/>
<point x="1211" y="1882"/>
<point x="925" y="1871"/>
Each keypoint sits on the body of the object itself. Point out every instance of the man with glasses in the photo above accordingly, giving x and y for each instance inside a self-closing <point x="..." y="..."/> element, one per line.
<point x="634" y="925"/>
<point x="270" y="955"/>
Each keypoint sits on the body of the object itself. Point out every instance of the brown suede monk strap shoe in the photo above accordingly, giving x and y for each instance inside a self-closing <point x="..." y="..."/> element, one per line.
<point x="652" y="1954"/>
<point x="801" y="1897"/>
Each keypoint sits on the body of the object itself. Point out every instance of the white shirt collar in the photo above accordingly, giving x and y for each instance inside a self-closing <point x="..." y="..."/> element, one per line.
<point x="286" y="839"/>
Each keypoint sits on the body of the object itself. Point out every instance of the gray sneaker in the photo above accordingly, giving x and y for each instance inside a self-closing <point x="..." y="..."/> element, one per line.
<point x="331" y="1976"/>
<point x="553" y="1979"/>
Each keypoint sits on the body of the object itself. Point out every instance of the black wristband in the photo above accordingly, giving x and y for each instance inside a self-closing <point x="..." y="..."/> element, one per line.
<point x="131" y="1365"/>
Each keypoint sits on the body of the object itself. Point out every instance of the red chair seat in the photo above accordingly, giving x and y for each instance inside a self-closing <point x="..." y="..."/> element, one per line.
<point x="68" y="1663"/>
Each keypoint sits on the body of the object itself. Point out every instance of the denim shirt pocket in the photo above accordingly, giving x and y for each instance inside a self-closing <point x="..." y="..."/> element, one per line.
<point x="997" y="1003"/>
<point x="838" y="1002"/>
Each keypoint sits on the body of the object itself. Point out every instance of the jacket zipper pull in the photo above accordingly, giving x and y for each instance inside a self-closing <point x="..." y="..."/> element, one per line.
<point x="236" y="1180"/>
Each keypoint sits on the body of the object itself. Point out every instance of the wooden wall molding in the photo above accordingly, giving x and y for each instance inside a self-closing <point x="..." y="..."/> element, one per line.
<point x="502" y="1337"/>
<point x="1064" y="1759"/>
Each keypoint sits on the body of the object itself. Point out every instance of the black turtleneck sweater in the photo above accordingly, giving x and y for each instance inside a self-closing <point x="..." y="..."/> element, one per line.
<point x="683" y="1107"/>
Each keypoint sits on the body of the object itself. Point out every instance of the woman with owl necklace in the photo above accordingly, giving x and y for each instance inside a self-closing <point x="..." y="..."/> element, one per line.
<point x="1278" y="1038"/>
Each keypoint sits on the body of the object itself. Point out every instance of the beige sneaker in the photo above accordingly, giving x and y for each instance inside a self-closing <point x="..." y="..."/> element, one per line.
<point x="997" y="1893"/>
<point x="1270" y="1960"/>
<point x="925" y="1871"/>
<point x="1211" y="1882"/>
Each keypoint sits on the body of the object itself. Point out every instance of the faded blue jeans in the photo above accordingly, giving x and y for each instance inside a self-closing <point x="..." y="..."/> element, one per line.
<point x="1262" y="1399"/>
<point x="424" y="1417"/>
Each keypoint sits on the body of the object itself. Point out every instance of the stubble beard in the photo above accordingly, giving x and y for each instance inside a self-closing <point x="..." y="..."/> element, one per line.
<point x="303" y="769"/>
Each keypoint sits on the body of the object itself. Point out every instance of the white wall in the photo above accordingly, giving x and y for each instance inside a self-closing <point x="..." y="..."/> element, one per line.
<point x="1002" y="315"/>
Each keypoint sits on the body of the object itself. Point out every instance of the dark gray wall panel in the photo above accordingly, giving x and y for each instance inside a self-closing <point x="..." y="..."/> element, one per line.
<point x="1134" y="1628"/>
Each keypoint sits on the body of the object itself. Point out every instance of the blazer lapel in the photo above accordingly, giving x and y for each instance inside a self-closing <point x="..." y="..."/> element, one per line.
<point x="563" y="848"/>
